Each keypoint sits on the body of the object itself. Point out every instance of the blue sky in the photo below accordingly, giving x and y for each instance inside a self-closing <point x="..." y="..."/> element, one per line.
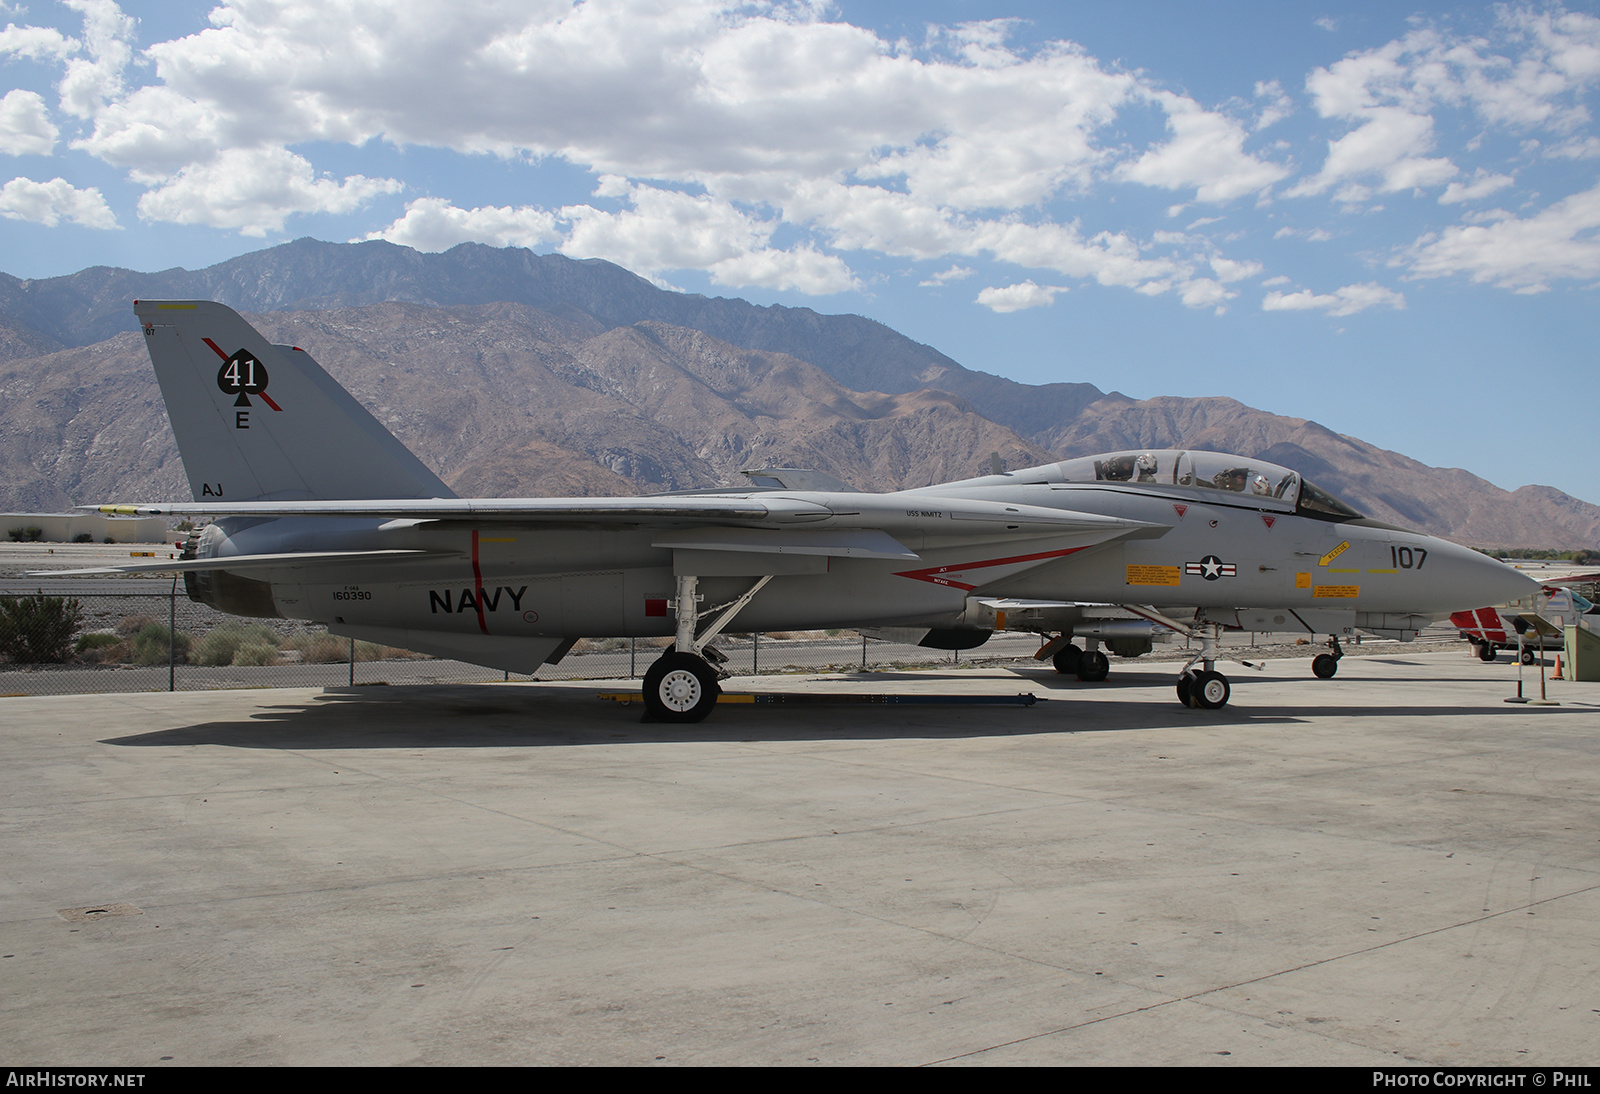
<point x="1380" y="218"/>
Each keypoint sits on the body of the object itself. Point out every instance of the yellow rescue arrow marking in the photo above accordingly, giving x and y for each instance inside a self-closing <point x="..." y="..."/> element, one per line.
<point x="1333" y="554"/>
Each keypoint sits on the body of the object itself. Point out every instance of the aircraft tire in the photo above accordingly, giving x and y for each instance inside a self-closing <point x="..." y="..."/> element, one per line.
<point x="680" y="687"/>
<point x="1210" y="690"/>
<point x="1324" y="665"/>
<point x="1529" y="657"/>
<point x="1486" y="651"/>
<point x="1093" y="667"/>
<point x="1185" y="692"/>
<point x="1066" y="659"/>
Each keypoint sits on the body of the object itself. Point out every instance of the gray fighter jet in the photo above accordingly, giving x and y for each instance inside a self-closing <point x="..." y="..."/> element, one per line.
<point x="319" y="513"/>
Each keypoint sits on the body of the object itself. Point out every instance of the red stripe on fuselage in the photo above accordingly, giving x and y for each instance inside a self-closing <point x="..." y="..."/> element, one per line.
<point x="934" y="574"/>
<point x="477" y="584"/>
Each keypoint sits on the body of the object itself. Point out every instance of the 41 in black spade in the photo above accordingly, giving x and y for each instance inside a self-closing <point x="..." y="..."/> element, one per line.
<point x="243" y="375"/>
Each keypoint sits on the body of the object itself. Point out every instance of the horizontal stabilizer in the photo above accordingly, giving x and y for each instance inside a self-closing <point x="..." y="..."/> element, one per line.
<point x="287" y="561"/>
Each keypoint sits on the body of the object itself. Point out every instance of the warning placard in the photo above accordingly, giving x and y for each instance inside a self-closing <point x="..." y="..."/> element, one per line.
<point x="1152" y="575"/>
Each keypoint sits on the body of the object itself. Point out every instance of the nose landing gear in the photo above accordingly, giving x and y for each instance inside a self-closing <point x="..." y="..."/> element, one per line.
<point x="1324" y="665"/>
<point x="1205" y="689"/>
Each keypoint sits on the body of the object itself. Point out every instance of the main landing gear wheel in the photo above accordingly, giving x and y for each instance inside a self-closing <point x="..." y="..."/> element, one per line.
<point x="1093" y="666"/>
<point x="1206" y="691"/>
<point x="1183" y="689"/>
<point x="1324" y="665"/>
<point x="1486" y="651"/>
<point x="1066" y="659"/>
<point x="1529" y="657"/>
<point x="680" y="687"/>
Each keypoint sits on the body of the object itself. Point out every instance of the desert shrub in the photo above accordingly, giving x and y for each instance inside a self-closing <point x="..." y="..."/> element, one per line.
<point x="101" y="648"/>
<point x="255" y="654"/>
<point x="371" y="651"/>
<point x="330" y="649"/>
<point x="83" y="537"/>
<point x="321" y="649"/>
<point x="221" y="644"/>
<point x="151" y="645"/>
<point x="38" y="629"/>
<point x="130" y="625"/>
<point x="599" y="645"/>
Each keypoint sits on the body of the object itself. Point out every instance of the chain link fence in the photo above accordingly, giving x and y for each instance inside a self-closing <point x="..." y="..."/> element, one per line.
<point x="148" y="636"/>
<point x="156" y="639"/>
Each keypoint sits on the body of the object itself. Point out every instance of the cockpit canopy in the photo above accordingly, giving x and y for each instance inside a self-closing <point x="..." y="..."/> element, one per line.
<point x="1206" y="471"/>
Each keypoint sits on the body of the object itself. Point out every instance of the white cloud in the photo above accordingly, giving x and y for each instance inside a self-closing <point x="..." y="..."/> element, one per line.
<point x="1524" y="254"/>
<point x="37" y="43"/>
<point x="1019" y="297"/>
<point x="1206" y="152"/>
<point x="1578" y="148"/>
<point x="1276" y="103"/>
<point x="743" y="118"/>
<point x="90" y="81"/>
<point x="1203" y="292"/>
<point x="670" y="230"/>
<point x="957" y="272"/>
<point x="254" y="191"/>
<point x="1346" y="301"/>
<point x="801" y="268"/>
<point x="49" y="203"/>
<point x="25" y="126"/>
<point x="764" y="145"/>
<point x="1385" y="143"/>
<point x="1482" y="185"/>
<point x="1314" y="235"/>
<point x="433" y="224"/>
<point x="1228" y="269"/>
<point x="1532" y="71"/>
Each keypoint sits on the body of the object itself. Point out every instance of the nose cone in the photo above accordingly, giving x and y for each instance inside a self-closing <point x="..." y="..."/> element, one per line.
<point x="1466" y="579"/>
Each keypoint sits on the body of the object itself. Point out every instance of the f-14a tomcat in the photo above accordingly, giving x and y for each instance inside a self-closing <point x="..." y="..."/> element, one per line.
<point x="319" y="513"/>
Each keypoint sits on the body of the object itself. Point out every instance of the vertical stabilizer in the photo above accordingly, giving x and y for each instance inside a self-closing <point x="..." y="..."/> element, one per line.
<point x="258" y="422"/>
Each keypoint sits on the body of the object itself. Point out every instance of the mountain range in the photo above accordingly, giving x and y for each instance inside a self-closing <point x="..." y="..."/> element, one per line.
<point x="513" y="373"/>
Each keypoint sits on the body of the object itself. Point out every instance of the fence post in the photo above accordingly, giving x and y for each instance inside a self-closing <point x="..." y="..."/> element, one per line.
<point x="172" y="636"/>
<point x="633" y="665"/>
<point x="755" y="653"/>
<point x="352" y="662"/>
<point x="863" y="653"/>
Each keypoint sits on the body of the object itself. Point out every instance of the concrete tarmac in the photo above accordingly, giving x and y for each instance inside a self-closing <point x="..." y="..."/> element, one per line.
<point x="1390" y="867"/>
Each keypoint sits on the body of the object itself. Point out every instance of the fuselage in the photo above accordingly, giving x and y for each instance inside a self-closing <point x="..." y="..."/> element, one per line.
<point x="1191" y="546"/>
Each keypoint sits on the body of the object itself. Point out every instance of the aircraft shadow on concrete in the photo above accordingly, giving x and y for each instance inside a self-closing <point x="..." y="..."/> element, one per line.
<point x="494" y="716"/>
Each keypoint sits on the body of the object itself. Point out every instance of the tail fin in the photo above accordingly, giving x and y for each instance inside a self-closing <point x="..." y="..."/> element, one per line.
<point x="258" y="422"/>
